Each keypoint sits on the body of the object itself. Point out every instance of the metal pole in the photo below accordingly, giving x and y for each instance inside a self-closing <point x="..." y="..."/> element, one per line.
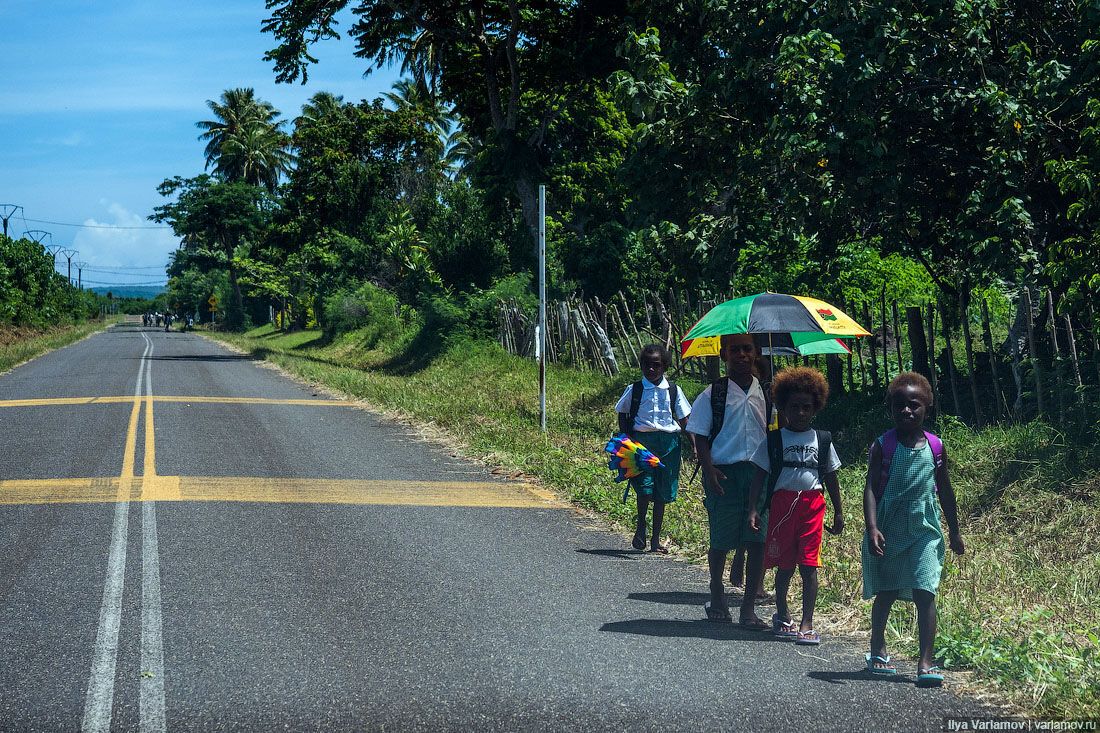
<point x="542" y="308"/>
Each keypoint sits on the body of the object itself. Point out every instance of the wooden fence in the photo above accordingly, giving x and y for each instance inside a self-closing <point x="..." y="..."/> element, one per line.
<point x="1037" y="361"/>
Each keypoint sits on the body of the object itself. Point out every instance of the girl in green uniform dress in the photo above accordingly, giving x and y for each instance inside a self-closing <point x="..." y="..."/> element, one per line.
<point x="903" y="549"/>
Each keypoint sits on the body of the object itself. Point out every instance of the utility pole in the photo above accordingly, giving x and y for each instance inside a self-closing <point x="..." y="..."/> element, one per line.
<point x="540" y="345"/>
<point x="79" y="274"/>
<point x="41" y="236"/>
<point x="69" y="254"/>
<point x="7" y="211"/>
<point x="53" y="249"/>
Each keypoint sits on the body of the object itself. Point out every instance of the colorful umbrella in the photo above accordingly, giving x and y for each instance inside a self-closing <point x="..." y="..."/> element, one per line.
<point x="629" y="458"/>
<point x="776" y="321"/>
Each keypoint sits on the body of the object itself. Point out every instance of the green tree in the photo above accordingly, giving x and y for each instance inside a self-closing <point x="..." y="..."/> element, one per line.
<point x="245" y="141"/>
<point x="218" y="221"/>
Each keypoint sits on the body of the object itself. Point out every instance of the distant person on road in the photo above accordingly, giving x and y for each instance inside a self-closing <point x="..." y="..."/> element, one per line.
<point x="728" y="422"/>
<point x="796" y="464"/>
<point x="167" y="322"/>
<point x="653" y="412"/>
<point x="903" y="548"/>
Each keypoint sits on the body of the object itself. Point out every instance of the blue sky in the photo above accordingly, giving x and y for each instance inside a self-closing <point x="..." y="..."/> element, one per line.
<point x="98" y="104"/>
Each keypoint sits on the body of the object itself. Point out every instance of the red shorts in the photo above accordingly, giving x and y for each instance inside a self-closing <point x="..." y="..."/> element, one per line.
<point x="794" y="530"/>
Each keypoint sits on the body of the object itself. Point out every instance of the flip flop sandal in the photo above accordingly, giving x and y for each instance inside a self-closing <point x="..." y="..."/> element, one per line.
<point x="930" y="677"/>
<point x="783" y="630"/>
<point x="638" y="543"/>
<point x="753" y="624"/>
<point x="718" y="614"/>
<point x="808" y="638"/>
<point x="885" y="669"/>
<point x="659" y="549"/>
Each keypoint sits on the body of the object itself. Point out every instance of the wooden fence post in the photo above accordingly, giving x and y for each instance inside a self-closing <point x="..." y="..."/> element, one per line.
<point x="897" y="335"/>
<point x="871" y="346"/>
<point x="1036" y="370"/>
<point x="1077" y="381"/>
<point x="1000" y="404"/>
<point x="951" y="376"/>
<point x="932" y="357"/>
<point x="964" y="312"/>
<point x="918" y="345"/>
<point x="1095" y="343"/>
<point x="885" y="345"/>
<point x="1059" y="378"/>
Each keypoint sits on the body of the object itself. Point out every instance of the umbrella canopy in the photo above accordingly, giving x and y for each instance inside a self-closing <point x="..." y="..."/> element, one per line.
<point x="777" y="321"/>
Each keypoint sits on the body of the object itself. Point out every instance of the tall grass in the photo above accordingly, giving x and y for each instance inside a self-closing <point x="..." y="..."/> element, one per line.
<point x="1019" y="608"/>
<point x="18" y="345"/>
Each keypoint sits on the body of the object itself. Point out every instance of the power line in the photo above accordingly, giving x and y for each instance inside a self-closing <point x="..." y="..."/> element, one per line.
<point x="124" y="285"/>
<point x="90" y="226"/>
<point x="120" y="269"/>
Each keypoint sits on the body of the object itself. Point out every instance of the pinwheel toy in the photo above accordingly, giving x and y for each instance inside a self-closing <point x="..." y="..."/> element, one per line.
<point x="629" y="458"/>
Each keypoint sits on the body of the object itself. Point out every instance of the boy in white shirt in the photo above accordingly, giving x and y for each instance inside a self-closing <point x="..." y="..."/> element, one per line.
<point x="652" y="412"/>
<point x="726" y="440"/>
<point x="801" y="464"/>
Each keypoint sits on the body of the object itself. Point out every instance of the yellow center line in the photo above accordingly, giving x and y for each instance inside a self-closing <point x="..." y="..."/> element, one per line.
<point x="277" y="490"/>
<point x="54" y="401"/>
<point x="149" y="467"/>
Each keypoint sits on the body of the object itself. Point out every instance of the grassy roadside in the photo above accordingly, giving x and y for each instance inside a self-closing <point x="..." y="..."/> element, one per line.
<point x="1018" y="609"/>
<point x="18" y="345"/>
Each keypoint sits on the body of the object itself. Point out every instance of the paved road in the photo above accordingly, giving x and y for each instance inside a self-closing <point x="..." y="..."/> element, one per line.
<point x="191" y="542"/>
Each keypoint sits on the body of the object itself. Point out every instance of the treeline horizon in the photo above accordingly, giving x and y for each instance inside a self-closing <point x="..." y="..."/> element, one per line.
<point x="831" y="149"/>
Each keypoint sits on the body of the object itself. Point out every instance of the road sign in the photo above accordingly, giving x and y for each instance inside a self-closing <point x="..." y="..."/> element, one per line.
<point x="213" y="302"/>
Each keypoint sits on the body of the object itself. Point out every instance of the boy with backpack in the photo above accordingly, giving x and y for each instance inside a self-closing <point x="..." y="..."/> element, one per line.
<point x="652" y="411"/>
<point x="728" y="420"/>
<point x="798" y="464"/>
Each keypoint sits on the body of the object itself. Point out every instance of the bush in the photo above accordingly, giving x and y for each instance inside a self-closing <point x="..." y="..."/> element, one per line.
<point x="482" y="305"/>
<point x="368" y="308"/>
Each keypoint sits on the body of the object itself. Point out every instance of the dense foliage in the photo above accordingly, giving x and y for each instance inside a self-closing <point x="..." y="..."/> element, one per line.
<point x="715" y="145"/>
<point x="32" y="293"/>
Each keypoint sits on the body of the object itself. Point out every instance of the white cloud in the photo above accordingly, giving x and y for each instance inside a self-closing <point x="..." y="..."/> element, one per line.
<point x="105" y="243"/>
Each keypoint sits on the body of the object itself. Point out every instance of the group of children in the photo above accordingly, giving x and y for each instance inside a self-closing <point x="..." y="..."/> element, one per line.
<point x="764" y="491"/>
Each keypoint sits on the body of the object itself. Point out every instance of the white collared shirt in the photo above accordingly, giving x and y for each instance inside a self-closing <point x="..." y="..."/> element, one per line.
<point x="655" y="413"/>
<point x="742" y="428"/>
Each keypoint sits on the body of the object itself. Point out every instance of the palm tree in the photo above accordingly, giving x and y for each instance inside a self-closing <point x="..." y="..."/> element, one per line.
<point x="319" y="106"/>
<point x="420" y="57"/>
<point x="257" y="153"/>
<point x="245" y="141"/>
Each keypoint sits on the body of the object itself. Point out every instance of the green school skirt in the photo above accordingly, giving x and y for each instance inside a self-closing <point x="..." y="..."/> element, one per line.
<point x="662" y="484"/>
<point x="727" y="514"/>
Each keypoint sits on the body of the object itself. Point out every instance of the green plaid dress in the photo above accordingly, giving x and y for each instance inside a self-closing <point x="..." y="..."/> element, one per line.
<point x="909" y="518"/>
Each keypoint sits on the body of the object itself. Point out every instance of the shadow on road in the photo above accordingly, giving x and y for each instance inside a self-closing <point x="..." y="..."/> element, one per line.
<point x="687" y="630"/>
<point x="617" y="554"/>
<point x="677" y="598"/>
<point x="862" y="675"/>
<point x="204" y="357"/>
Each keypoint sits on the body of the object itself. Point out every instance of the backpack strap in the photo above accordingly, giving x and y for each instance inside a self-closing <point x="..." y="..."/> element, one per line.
<point x="673" y="398"/>
<point x="718" y="391"/>
<point x="635" y="401"/>
<point x="775" y="463"/>
<point x="889" y="444"/>
<point x="936" y="445"/>
<point x="824" y="449"/>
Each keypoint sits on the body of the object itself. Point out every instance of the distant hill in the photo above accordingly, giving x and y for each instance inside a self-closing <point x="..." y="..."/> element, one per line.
<point x="148" y="292"/>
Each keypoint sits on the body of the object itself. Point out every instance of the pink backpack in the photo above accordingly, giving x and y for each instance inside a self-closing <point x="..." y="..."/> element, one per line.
<point x="889" y="442"/>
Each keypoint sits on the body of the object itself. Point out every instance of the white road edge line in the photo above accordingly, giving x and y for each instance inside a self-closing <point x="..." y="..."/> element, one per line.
<point x="101" y="681"/>
<point x="151" y="693"/>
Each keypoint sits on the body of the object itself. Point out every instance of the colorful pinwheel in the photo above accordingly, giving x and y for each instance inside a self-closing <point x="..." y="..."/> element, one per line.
<point x="629" y="458"/>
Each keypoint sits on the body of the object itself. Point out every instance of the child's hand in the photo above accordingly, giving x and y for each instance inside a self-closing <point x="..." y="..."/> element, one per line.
<point x="754" y="521"/>
<point x="716" y="478"/>
<point x="877" y="542"/>
<point x="956" y="542"/>
<point x="838" y="525"/>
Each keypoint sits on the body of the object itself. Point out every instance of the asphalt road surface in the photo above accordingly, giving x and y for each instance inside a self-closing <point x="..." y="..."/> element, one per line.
<point x="189" y="541"/>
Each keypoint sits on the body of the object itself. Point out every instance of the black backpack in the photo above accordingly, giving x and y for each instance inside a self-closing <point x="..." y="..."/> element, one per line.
<point x="776" y="463"/>
<point x="626" y="421"/>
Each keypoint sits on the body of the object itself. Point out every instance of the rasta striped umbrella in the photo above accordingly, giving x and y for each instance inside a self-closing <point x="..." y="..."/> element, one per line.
<point x="780" y="324"/>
